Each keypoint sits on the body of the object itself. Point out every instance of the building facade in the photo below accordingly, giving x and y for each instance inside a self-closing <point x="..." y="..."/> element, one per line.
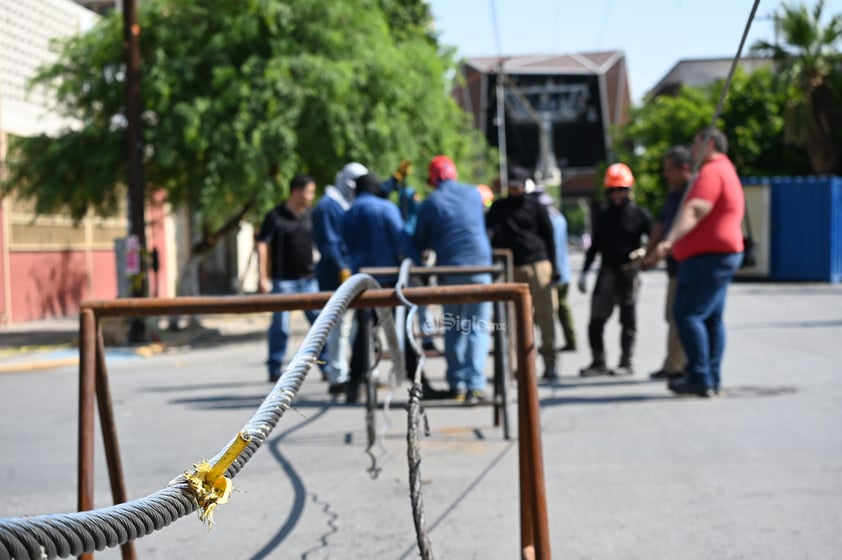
<point x="49" y="264"/>
<point x="559" y="111"/>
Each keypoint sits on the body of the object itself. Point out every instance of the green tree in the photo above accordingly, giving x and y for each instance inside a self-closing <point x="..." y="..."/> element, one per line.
<point x="653" y="128"/>
<point x="808" y="57"/>
<point x="238" y="97"/>
<point x="752" y="118"/>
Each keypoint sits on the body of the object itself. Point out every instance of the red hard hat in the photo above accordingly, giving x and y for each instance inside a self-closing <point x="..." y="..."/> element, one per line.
<point x="442" y="168"/>
<point x="618" y="175"/>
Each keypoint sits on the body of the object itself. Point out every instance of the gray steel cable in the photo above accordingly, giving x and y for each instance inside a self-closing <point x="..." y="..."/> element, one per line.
<point x="71" y="534"/>
<point x="415" y="415"/>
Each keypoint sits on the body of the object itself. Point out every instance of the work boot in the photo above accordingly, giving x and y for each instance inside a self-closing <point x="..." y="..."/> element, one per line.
<point x="337" y="388"/>
<point x="688" y="388"/>
<point x="475" y="397"/>
<point x="596" y="368"/>
<point x="430" y="393"/>
<point x="625" y="368"/>
<point x="352" y="392"/>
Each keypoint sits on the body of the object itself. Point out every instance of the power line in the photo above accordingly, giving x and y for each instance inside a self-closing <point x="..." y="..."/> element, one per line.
<point x="501" y="108"/>
<point x="496" y="28"/>
<point x="605" y="19"/>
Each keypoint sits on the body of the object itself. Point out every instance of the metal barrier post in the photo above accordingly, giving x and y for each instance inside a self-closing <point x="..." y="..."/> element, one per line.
<point x="535" y="542"/>
<point x="87" y="388"/>
<point x="535" y="539"/>
<point x="109" y="435"/>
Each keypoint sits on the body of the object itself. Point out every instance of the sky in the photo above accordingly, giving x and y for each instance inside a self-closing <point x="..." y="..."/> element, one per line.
<point x="654" y="34"/>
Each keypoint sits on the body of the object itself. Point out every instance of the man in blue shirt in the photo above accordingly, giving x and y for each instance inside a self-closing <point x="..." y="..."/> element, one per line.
<point x="375" y="236"/>
<point x="334" y="266"/>
<point x="451" y="222"/>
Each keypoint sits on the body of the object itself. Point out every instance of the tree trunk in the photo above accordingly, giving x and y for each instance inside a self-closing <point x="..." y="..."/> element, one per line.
<point x="820" y="146"/>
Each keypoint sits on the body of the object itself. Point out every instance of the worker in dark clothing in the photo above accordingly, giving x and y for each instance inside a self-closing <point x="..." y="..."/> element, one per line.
<point x="521" y="224"/>
<point x="618" y="234"/>
<point x="374" y="234"/>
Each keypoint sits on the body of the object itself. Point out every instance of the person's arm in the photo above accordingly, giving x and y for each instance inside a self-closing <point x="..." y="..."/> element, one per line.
<point x="652" y="257"/>
<point x="491" y="224"/>
<point x="400" y="239"/>
<point x="596" y="245"/>
<point x="689" y="216"/>
<point x="327" y="234"/>
<point x="264" y="238"/>
<point x="264" y="284"/>
<point x="545" y="230"/>
<point x="420" y="238"/>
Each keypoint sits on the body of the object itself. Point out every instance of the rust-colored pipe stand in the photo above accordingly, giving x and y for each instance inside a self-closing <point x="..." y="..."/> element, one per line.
<point x="534" y="526"/>
<point x="534" y="532"/>
<point x="87" y="388"/>
<point x="109" y="435"/>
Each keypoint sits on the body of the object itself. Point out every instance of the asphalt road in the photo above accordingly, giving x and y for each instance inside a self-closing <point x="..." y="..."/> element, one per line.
<point x="632" y="472"/>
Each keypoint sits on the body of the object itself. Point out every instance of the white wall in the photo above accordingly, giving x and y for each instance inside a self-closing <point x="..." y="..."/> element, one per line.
<point x="26" y="29"/>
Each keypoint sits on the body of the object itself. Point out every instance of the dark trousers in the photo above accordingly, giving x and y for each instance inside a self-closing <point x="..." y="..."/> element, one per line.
<point x="565" y="316"/>
<point x="614" y="287"/>
<point x="362" y="351"/>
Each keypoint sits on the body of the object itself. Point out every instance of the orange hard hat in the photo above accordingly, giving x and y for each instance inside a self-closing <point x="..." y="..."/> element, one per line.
<point x="441" y="169"/>
<point x="618" y="175"/>
<point x="486" y="193"/>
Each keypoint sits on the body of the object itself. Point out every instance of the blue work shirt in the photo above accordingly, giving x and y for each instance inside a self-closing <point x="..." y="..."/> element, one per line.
<point x="409" y="204"/>
<point x="374" y="234"/>
<point x="562" y="260"/>
<point x="327" y="220"/>
<point x="451" y="222"/>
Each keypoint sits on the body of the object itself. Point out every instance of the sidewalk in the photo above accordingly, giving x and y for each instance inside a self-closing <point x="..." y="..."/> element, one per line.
<point x="52" y="343"/>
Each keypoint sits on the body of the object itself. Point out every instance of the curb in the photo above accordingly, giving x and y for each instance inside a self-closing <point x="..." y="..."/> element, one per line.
<point x="36" y="364"/>
<point x="39" y="365"/>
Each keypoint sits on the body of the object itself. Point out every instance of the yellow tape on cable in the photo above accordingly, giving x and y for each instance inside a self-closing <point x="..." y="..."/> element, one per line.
<point x="208" y="482"/>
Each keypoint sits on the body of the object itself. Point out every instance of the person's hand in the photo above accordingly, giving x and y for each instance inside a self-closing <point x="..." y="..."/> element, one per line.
<point x="649" y="261"/>
<point x="264" y="286"/>
<point x="663" y="249"/>
<point x="583" y="283"/>
<point x="404" y="169"/>
<point x="344" y="274"/>
<point x="555" y="278"/>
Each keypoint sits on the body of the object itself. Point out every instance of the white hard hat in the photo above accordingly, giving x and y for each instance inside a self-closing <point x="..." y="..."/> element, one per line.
<point x="529" y="186"/>
<point x="347" y="178"/>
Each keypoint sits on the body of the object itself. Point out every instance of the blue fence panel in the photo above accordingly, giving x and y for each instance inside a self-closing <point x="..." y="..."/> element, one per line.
<point x="806" y="228"/>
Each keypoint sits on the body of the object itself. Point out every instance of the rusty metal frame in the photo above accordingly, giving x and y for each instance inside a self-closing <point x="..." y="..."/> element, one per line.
<point x="93" y="385"/>
<point x="503" y="345"/>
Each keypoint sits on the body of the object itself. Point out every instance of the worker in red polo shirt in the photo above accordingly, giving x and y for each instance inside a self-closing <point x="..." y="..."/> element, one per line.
<point x="707" y="240"/>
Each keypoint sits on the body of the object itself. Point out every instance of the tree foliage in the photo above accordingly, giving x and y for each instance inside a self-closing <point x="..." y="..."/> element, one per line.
<point x="808" y="59"/>
<point x="752" y="118"/>
<point x="238" y="97"/>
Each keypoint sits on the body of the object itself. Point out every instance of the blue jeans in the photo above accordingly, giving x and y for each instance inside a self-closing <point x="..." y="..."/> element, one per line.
<point x="466" y="336"/>
<point x="279" y="328"/>
<point x="699" y="305"/>
<point x="338" y="349"/>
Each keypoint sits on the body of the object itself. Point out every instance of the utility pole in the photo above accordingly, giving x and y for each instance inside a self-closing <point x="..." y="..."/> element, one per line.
<point x="134" y="144"/>
<point x="501" y="132"/>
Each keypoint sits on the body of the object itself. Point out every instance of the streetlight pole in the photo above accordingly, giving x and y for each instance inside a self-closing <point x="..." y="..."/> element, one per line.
<point x="134" y="145"/>
<point x="501" y="131"/>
